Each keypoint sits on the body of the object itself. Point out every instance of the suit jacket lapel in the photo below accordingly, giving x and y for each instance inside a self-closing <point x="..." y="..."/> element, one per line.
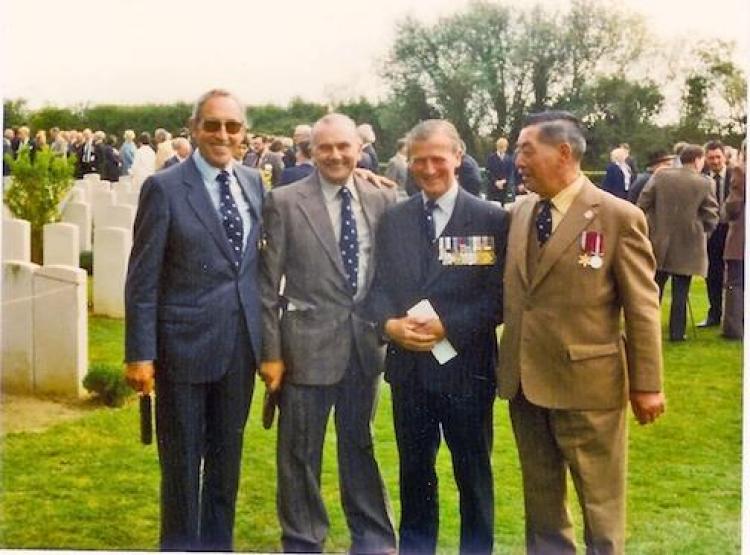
<point x="201" y="203"/>
<point x="254" y="200"/>
<point x="371" y="207"/>
<point x="518" y="238"/>
<point x="312" y="205"/>
<point x="578" y="217"/>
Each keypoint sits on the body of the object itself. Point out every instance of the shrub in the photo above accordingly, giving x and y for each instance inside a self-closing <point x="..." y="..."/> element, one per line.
<point x="107" y="382"/>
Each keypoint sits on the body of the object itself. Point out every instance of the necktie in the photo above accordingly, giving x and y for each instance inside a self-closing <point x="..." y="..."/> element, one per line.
<point x="230" y="215"/>
<point x="429" y="220"/>
<point x="719" y="196"/>
<point x="348" y="242"/>
<point x="544" y="221"/>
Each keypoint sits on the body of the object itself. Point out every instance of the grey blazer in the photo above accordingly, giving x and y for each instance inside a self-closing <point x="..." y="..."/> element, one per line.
<point x="681" y="211"/>
<point x="315" y="339"/>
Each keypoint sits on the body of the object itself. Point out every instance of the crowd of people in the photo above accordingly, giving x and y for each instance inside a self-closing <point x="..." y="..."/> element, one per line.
<point x="292" y="258"/>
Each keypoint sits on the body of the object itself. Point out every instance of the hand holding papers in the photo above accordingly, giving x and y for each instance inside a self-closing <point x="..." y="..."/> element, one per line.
<point x="443" y="351"/>
<point x="421" y="330"/>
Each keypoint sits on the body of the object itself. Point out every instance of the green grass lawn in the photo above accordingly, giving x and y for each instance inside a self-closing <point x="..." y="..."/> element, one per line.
<point x="89" y="484"/>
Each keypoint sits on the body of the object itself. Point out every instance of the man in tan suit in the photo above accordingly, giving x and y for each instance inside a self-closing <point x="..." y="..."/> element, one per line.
<point x="578" y="259"/>
<point x="681" y="209"/>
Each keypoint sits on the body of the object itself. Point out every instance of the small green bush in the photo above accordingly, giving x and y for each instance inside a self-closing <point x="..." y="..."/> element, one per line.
<point x="107" y="382"/>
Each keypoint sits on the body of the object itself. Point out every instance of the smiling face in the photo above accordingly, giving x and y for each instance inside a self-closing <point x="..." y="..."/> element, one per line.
<point x="335" y="148"/>
<point x="217" y="146"/>
<point x="433" y="163"/>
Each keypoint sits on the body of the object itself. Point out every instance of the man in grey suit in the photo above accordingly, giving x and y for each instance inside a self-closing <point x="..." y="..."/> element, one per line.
<point x="681" y="210"/>
<point x="320" y="239"/>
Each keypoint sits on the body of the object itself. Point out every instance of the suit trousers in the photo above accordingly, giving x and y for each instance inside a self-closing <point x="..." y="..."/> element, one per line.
<point x="303" y="416"/>
<point x="593" y="445"/>
<point x="715" y="277"/>
<point x="199" y="429"/>
<point x="733" y="323"/>
<point x="465" y="420"/>
<point x="678" y="309"/>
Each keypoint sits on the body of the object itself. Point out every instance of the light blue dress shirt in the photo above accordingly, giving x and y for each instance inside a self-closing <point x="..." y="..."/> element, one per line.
<point x="444" y="209"/>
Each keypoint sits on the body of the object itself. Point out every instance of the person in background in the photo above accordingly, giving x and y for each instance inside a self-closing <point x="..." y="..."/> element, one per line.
<point x="369" y="157"/>
<point x="618" y="174"/>
<point x="733" y="325"/>
<point x="469" y="174"/>
<point x="398" y="169"/>
<point x="657" y="160"/>
<point x="110" y="164"/>
<point x="144" y="161"/>
<point x="679" y="236"/>
<point x="164" y="149"/>
<point x="127" y="151"/>
<point x="182" y="151"/>
<point x="272" y="163"/>
<point x="500" y="169"/>
<point x="304" y="165"/>
<point x="301" y="133"/>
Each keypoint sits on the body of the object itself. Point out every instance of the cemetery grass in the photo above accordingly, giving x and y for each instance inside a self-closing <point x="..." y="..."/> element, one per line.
<point x="89" y="484"/>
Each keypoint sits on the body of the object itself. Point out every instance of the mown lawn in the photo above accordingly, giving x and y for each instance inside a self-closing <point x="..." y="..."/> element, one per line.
<point x="89" y="484"/>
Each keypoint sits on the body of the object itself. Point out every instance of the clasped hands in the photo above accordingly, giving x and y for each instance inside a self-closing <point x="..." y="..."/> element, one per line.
<point x="415" y="333"/>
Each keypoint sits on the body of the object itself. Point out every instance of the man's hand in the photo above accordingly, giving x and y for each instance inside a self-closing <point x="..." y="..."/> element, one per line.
<point x="647" y="405"/>
<point x="272" y="373"/>
<point x="500" y="184"/>
<point x="140" y="376"/>
<point x="415" y="334"/>
<point x="375" y="179"/>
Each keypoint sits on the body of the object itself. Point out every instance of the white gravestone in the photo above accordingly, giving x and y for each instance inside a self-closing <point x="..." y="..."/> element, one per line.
<point x="79" y="214"/>
<point x="92" y="177"/>
<point x="18" y="327"/>
<point x="120" y="187"/>
<point x="121" y="216"/>
<point x="60" y="331"/>
<point x="16" y="240"/>
<point x="61" y="244"/>
<point x="111" y="252"/>
<point x="99" y="201"/>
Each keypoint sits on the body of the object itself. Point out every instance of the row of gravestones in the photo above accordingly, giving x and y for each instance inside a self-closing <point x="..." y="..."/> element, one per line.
<point x="44" y="316"/>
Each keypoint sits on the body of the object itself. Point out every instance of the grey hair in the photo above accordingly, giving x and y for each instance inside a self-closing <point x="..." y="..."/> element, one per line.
<point x="424" y="130"/>
<point x="205" y="97"/>
<point x="334" y="119"/>
<point x="160" y="134"/>
<point x="366" y="133"/>
<point x="557" y="127"/>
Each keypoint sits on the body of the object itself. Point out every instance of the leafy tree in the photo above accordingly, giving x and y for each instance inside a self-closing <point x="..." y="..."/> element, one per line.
<point x="38" y="186"/>
<point x="15" y="113"/>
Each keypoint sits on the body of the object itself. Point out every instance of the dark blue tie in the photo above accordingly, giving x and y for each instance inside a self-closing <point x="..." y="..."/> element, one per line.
<point x="544" y="221"/>
<point x="230" y="215"/>
<point x="348" y="242"/>
<point x="429" y="219"/>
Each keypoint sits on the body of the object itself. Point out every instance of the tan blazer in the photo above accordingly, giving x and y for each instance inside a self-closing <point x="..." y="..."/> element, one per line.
<point x="562" y="340"/>
<point x="681" y="211"/>
<point x="734" y="248"/>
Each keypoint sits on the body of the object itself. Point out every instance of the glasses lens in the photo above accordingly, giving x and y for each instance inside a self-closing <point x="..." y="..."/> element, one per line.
<point x="211" y="125"/>
<point x="232" y="126"/>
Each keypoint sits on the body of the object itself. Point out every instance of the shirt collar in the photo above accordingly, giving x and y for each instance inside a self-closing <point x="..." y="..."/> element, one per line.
<point x="447" y="200"/>
<point x="562" y="200"/>
<point x="330" y="190"/>
<point x="207" y="171"/>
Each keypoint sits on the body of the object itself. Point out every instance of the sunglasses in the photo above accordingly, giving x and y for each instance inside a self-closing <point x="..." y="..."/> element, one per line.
<point x="214" y="125"/>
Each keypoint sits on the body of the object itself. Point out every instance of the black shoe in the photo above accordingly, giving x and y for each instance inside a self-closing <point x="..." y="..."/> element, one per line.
<point x="709" y="323"/>
<point x="676" y="339"/>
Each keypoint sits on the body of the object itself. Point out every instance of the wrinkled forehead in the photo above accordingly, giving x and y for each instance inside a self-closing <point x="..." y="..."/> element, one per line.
<point x="336" y="131"/>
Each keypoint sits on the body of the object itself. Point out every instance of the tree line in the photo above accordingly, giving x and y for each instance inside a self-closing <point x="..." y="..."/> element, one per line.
<point x="486" y="67"/>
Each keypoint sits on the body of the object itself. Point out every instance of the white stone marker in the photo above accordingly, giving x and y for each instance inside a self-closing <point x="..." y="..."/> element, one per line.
<point x="121" y="216"/>
<point x="99" y="201"/>
<point x="18" y="328"/>
<point x="92" y="177"/>
<point x="120" y="187"/>
<point x="60" y="331"/>
<point x="16" y="240"/>
<point x="111" y="252"/>
<point x="79" y="214"/>
<point x="61" y="245"/>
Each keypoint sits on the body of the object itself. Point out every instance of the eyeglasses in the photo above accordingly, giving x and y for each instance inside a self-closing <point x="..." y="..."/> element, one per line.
<point x="214" y="125"/>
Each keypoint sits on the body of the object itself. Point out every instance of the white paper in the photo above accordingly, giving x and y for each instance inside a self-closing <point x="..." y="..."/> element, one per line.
<point x="443" y="351"/>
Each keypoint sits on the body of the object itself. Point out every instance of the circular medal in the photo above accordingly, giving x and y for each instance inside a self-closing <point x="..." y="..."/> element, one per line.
<point x="595" y="262"/>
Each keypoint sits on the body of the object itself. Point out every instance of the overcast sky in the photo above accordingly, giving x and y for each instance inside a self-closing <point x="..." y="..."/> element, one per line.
<point x="65" y="52"/>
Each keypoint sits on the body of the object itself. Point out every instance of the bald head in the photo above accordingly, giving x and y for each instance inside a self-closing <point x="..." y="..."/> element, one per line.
<point x="343" y="124"/>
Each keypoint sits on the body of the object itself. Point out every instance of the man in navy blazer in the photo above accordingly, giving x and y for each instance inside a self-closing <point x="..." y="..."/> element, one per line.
<point x="447" y="247"/>
<point x="193" y="322"/>
<point x="303" y="166"/>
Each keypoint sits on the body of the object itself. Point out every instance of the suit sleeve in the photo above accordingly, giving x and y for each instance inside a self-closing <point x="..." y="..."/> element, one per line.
<point x="484" y="310"/>
<point x="735" y="203"/>
<point x="646" y="198"/>
<point x="381" y="304"/>
<point x="150" y="233"/>
<point x="708" y="211"/>
<point x="634" y="269"/>
<point x="271" y="272"/>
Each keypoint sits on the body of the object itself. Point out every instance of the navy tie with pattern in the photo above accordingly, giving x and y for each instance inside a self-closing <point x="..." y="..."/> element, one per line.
<point x="230" y="215"/>
<point x="544" y="221"/>
<point x="348" y="242"/>
<point x="429" y="219"/>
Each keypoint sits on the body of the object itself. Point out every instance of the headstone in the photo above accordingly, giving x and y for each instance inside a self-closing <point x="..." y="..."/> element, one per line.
<point x="99" y="186"/>
<point x="120" y="216"/>
<point x="111" y="252"/>
<point x="126" y="179"/>
<point x="79" y="214"/>
<point x="18" y="328"/>
<point x="99" y="201"/>
<point x="60" y="331"/>
<point x="61" y="244"/>
<point x="17" y="240"/>
<point x="92" y="177"/>
<point x="120" y="187"/>
<point x="129" y="199"/>
<point x="78" y="194"/>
